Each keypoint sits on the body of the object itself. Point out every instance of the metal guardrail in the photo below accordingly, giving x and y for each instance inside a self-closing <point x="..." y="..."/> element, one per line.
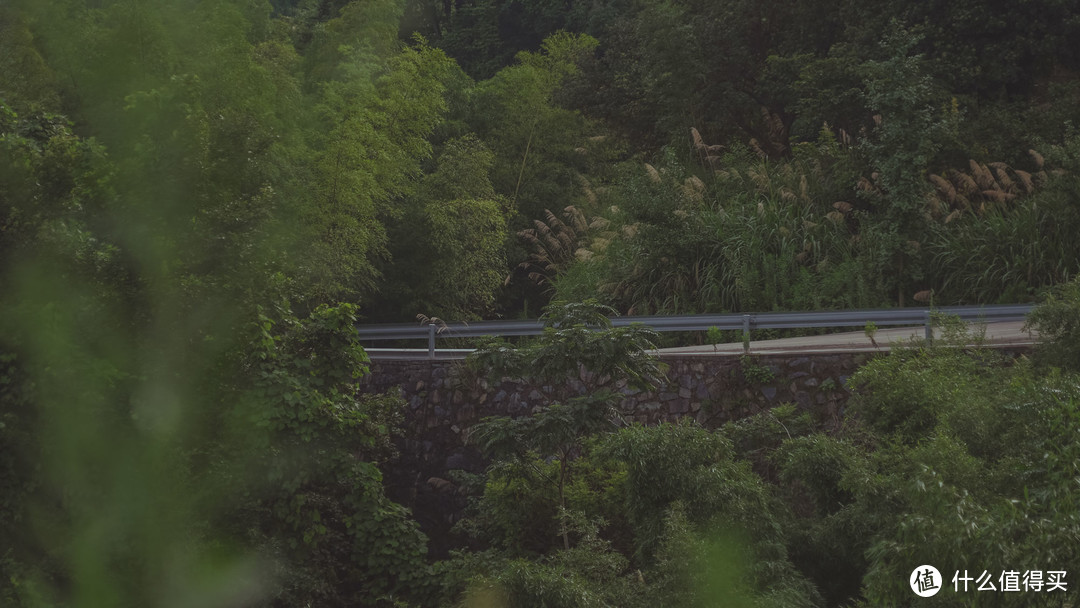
<point x="744" y="322"/>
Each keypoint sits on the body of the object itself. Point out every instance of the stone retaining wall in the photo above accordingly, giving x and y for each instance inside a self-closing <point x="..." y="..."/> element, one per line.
<point x="444" y="401"/>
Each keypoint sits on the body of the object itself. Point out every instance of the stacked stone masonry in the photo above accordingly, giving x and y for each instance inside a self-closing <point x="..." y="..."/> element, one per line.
<point x="443" y="400"/>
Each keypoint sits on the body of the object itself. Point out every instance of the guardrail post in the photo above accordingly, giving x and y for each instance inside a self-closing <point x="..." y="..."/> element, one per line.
<point x="431" y="341"/>
<point x="746" y="333"/>
<point x="929" y="328"/>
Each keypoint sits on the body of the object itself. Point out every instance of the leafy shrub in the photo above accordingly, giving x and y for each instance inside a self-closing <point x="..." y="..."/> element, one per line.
<point x="345" y="542"/>
<point x="1057" y="319"/>
<point x="965" y="444"/>
<point x="685" y="464"/>
<point x="755" y="373"/>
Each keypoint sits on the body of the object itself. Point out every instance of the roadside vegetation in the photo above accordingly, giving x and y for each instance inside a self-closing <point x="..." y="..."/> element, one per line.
<point x="200" y="199"/>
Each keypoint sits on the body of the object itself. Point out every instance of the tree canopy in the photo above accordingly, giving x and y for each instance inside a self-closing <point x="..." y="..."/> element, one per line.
<point x="199" y="199"/>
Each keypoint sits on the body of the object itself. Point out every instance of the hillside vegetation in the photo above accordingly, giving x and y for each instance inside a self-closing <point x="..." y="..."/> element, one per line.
<point x="199" y="199"/>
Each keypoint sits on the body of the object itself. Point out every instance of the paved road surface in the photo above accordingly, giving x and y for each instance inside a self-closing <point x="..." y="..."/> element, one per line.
<point x="1006" y="333"/>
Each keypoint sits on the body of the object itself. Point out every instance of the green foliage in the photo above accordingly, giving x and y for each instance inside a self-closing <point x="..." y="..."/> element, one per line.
<point x="829" y="91"/>
<point x="341" y="539"/>
<point x="683" y="499"/>
<point x="686" y="465"/>
<point x="755" y="236"/>
<point x="173" y="175"/>
<point x="485" y="35"/>
<point x="755" y="373"/>
<point x="53" y="184"/>
<point x="519" y="511"/>
<point x="757" y="438"/>
<point x="467" y="238"/>
<point x="903" y="147"/>
<point x="961" y="451"/>
<point x="1014" y="251"/>
<point x="1003" y="256"/>
<point x="681" y="463"/>
<point x="673" y="244"/>
<point x="555" y="429"/>
<point x="632" y="478"/>
<point x="1057" y="320"/>
<point x="915" y="387"/>
<point x="870" y="329"/>
<point x="451" y="239"/>
<point x="570" y="342"/>
<point x="193" y="441"/>
<point x="578" y="338"/>
<point x="532" y="138"/>
<point x="818" y="462"/>
<point x="969" y="504"/>
<point x="20" y="453"/>
<point x="590" y="574"/>
<point x="715" y="336"/>
<point x="692" y="571"/>
<point x="830" y="534"/>
<point x="25" y="78"/>
<point x="351" y="189"/>
<point x="878" y="82"/>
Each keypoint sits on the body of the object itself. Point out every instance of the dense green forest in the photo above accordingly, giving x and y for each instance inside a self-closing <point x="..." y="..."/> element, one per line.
<point x="199" y="199"/>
